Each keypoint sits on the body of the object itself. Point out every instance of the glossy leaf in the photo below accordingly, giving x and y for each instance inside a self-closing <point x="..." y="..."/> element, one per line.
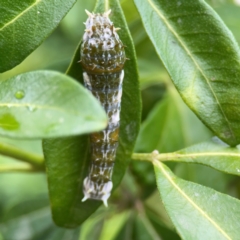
<point x="45" y="104"/>
<point x="67" y="168"/>
<point x="202" y="58"/>
<point x="214" y="154"/>
<point x="168" y="127"/>
<point x="25" y="24"/>
<point x="197" y="212"/>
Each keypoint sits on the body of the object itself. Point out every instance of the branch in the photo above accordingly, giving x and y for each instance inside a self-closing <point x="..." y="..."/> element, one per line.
<point x="5" y="168"/>
<point x="175" y="156"/>
<point x="37" y="161"/>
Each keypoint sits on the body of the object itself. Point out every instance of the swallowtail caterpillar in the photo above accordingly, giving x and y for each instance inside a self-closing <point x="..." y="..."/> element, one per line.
<point x="102" y="59"/>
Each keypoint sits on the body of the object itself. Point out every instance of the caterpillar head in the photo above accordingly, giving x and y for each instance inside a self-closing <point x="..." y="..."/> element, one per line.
<point x="101" y="50"/>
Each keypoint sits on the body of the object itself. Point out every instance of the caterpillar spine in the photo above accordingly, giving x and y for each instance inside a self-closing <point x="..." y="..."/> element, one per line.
<point x="102" y="59"/>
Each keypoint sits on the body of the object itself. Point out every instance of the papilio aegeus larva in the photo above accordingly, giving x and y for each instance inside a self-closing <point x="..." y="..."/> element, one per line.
<point x="102" y="59"/>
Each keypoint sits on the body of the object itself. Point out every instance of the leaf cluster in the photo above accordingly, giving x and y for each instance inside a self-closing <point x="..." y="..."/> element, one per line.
<point x="189" y="70"/>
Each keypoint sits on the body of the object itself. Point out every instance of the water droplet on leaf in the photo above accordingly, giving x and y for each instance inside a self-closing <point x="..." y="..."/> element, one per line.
<point x="19" y="94"/>
<point x="31" y="108"/>
<point x="179" y="21"/>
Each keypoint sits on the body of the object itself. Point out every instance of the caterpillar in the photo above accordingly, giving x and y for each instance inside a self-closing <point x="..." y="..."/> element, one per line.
<point x="102" y="59"/>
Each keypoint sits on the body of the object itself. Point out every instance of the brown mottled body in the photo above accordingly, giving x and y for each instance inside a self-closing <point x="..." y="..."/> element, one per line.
<point x="102" y="58"/>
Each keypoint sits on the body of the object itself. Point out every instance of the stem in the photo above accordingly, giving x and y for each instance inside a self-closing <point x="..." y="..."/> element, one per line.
<point x="14" y="168"/>
<point x="10" y="151"/>
<point x="161" y="157"/>
<point x="175" y="157"/>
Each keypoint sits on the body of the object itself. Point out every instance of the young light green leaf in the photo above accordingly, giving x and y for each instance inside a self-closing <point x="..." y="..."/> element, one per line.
<point x="45" y="104"/>
<point x="113" y="225"/>
<point x="197" y="212"/>
<point x="92" y="227"/>
<point x="213" y="154"/>
<point x="72" y="160"/>
<point x="202" y="58"/>
<point x="24" y="25"/>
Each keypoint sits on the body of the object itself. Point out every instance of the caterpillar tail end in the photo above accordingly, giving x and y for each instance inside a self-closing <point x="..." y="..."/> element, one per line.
<point x="85" y="198"/>
<point x="104" y="199"/>
<point x="101" y="192"/>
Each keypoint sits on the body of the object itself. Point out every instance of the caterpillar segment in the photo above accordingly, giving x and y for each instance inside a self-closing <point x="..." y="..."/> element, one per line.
<point x="102" y="59"/>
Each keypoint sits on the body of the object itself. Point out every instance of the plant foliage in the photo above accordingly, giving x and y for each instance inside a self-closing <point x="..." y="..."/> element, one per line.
<point x="191" y="116"/>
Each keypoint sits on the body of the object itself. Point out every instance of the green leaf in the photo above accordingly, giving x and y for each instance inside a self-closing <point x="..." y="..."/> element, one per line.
<point x="137" y="226"/>
<point x="206" y="176"/>
<point x="162" y="230"/>
<point x="197" y="212"/>
<point x="230" y="13"/>
<point x="113" y="225"/>
<point x="31" y="219"/>
<point x="167" y="128"/>
<point x="160" y="131"/>
<point x="67" y="160"/>
<point x="45" y="104"/>
<point x="202" y="58"/>
<point x="214" y="154"/>
<point x="151" y="72"/>
<point x="126" y="231"/>
<point x="92" y="227"/>
<point x="143" y="229"/>
<point x="25" y="24"/>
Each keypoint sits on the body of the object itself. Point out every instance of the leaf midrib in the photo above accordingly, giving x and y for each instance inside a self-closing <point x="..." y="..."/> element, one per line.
<point x="207" y="154"/>
<point x="35" y="107"/>
<point x="204" y="214"/>
<point x="20" y="14"/>
<point x="177" y="155"/>
<point x="171" y="29"/>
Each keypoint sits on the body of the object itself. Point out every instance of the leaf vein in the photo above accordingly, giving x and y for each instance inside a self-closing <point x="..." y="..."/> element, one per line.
<point x="194" y="61"/>
<point x="188" y="14"/>
<point x="19" y="15"/>
<point x="9" y="105"/>
<point x="159" y="165"/>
